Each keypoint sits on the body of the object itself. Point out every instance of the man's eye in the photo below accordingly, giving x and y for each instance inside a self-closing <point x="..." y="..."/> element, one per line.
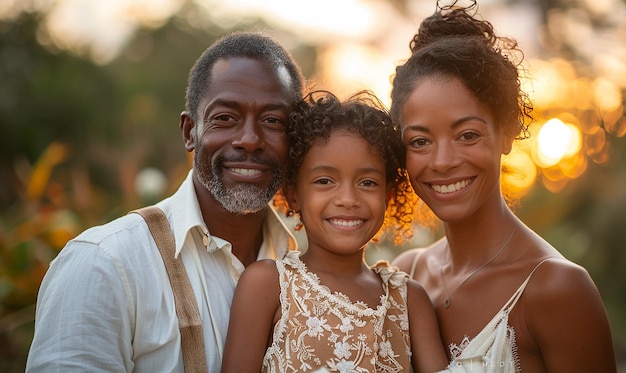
<point x="223" y="117"/>
<point x="274" y="123"/>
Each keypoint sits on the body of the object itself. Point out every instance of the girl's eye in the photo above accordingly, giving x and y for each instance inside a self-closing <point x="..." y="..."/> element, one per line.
<point x="323" y="181"/>
<point x="369" y="183"/>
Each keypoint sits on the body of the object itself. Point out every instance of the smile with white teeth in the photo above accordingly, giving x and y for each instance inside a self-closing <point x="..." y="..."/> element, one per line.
<point x="346" y="223"/>
<point x="246" y="171"/>
<point x="450" y="188"/>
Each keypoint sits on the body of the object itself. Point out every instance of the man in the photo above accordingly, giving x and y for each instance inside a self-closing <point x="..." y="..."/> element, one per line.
<point x="106" y="303"/>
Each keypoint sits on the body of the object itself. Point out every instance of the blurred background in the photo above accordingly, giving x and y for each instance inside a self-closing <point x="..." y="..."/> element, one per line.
<point x="91" y="92"/>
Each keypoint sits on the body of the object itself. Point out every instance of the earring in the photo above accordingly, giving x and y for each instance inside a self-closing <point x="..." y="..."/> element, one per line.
<point x="298" y="227"/>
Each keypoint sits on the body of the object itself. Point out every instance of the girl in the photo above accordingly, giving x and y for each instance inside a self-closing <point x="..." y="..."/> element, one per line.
<point x="326" y="310"/>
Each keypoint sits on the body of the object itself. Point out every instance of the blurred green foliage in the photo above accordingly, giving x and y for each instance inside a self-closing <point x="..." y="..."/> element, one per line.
<point x="74" y="135"/>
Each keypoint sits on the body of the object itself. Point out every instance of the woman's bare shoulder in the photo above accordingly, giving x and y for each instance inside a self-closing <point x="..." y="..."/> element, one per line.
<point x="559" y="278"/>
<point x="563" y="311"/>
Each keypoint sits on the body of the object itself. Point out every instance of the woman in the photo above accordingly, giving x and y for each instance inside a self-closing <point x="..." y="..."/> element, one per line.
<point x="506" y="299"/>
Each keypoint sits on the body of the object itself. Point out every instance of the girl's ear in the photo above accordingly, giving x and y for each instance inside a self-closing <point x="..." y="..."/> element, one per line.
<point x="390" y="191"/>
<point x="289" y="190"/>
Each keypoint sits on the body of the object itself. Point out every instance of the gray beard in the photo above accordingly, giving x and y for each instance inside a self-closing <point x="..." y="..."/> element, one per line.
<point x="243" y="198"/>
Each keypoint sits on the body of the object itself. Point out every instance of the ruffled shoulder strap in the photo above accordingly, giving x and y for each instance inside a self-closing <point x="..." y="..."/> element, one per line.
<point x="390" y="275"/>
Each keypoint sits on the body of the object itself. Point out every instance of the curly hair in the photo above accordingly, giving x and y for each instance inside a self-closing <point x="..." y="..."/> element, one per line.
<point x="253" y="45"/>
<point x="320" y="113"/>
<point x="452" y="42"/>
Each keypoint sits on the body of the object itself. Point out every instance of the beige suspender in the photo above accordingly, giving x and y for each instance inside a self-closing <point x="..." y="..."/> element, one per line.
<point x="189" y="321"/>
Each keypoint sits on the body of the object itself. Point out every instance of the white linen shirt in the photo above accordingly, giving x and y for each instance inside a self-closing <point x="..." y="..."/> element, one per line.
<point x="106" y="304"/>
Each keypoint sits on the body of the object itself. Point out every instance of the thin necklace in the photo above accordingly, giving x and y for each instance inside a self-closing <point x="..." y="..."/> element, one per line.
<point x="447" y="301"/>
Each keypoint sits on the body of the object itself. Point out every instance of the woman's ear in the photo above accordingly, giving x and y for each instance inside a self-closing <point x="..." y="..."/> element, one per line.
<point x="506" y="141"/>
<point x="507" y="145"/>
<point x="187" y="127"/>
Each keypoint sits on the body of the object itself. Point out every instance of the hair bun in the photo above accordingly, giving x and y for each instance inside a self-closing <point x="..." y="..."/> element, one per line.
<point x="453" y="18"/>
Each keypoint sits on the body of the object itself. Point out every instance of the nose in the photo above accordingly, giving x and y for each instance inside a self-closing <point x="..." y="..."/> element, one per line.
<point x="347" y="196"/>
<point x="250" y="136"/>
<point x="444" y="157"/>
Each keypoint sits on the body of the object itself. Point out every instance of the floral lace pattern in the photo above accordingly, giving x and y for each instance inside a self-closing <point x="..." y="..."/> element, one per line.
<point x="320" y="329"/>
<point x="504" y="360"/>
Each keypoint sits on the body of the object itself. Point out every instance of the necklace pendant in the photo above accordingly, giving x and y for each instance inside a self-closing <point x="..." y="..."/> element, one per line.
<point x="446" y="303"/>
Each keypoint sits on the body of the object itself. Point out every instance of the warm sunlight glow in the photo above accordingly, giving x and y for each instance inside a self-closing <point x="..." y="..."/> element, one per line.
<point x="557" y="140"/>
<point x="347" y="18"/>
<point x="97" y="29"/>
<point x="347" y="68"/>
<point x="548" y="83"/>
<point x="615" y="122"/>
<point x="358" y="44"/>
<point x="8" y="9"/>
<point x="519" y="173"/>
<point x="608" y="96"/>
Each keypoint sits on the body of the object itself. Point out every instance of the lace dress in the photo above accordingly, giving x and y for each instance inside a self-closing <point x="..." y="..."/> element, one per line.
<point x="322" y="331"/>
<point x="494" y="349"/>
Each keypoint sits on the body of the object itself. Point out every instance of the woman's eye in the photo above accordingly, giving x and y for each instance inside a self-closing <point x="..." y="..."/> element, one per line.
<point x="418" y="142"/>
<point x="468" y="136"/>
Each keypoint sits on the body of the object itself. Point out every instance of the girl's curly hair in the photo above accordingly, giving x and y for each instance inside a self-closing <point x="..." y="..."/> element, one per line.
<point x="320" y="113"/>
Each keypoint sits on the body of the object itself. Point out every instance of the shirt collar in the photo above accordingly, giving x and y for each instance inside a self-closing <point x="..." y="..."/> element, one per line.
<point x="183" y="211"/>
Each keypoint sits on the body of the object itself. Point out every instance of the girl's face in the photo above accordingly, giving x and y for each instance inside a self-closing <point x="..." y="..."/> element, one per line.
<point x="453" y="148"/>
<point x="341" y="193"/>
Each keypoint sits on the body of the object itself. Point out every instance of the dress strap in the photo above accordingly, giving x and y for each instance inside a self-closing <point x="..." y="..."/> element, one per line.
<point x="516" y="296"/>
<point x="414" y="265"/>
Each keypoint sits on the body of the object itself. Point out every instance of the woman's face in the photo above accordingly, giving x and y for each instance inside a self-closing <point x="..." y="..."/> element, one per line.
<point x="453" y="148"/>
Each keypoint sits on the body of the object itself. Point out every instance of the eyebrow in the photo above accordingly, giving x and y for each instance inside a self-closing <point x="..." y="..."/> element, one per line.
<point x="362" y="170"/>
<point x="455" y="124"/>
<point x="235" y="104"/>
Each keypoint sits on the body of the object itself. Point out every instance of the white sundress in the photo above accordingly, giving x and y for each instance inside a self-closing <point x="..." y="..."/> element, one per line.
<point x="494" y="349"/>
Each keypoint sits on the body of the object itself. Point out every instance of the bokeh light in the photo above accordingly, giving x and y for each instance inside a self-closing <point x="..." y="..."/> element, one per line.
<point x="556" y="141"/>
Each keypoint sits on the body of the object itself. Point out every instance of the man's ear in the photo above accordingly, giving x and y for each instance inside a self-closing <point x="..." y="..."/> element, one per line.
<point x="187" y="128"/>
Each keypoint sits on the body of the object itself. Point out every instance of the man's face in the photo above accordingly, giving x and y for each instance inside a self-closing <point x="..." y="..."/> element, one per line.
<point x="239" y="137"/>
